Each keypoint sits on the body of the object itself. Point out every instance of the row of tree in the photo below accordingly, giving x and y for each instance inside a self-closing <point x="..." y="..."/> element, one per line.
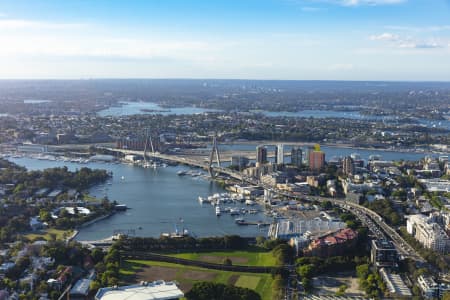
<point x="229" y="242"/>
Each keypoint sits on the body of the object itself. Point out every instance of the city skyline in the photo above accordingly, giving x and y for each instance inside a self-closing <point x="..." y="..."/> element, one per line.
<point x="271" y="39"/>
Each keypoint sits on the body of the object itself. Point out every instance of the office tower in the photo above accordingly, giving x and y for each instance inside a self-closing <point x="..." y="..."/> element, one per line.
<point x="348" y="166"/>
<point x="383" y="254"/>
<point x="239" y="161"/>
<point x="280" y="154"/>
<point x="296" y="157"/>
<point x="316" y="160"/>
<point x="261" y="154"/>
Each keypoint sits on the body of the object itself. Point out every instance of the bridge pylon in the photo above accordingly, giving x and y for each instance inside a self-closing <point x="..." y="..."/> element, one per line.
<point x="214" y="151"/>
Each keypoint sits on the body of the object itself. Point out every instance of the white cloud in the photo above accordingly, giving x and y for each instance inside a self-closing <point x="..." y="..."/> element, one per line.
<point x="6" y="24"/>
<point x="384" y="37"/>
<point x="407" y="42"/>
<point x="98" y="48"/>
<point x="435" y="28"/>
<point x="421" y="45"/>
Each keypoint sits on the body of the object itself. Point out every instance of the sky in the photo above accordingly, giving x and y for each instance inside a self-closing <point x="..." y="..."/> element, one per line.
<point x="400" y="40"/>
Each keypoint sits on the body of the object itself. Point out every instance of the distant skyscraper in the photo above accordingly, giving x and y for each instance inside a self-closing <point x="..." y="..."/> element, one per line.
<point x="316" y="159"/>
<point x="239" y="161"/>
<point x="348" y="166"/>
<point x="276" y="155"/>
<point x="309" y="149"/>
<point x="261" y="154"/>
<point x="280" y="154"/>
<point x="296" y="157"/>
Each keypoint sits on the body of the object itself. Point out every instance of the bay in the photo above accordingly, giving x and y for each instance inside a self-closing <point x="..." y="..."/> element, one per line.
<point x="159" y="201"/>
<point x="137" y="108"/>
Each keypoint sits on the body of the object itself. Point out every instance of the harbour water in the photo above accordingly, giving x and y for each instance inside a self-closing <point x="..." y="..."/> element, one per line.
<point x="132" y="108"/>
<point x="355" y="115"/>
<point x="135" y="108"/>
<point x="159" y="200"/>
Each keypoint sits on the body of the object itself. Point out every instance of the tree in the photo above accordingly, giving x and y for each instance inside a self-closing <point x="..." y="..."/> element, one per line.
<point x="217" y="291"/>
<point x="341" y="290"/>
<point x="44" y="215"/>
<point x="227" y="262"/>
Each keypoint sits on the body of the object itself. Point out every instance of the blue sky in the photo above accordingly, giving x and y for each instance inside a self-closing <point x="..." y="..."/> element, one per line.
<point x="263" y="39"/>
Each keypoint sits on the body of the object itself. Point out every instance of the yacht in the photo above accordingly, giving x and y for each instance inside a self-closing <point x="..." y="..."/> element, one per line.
<point x="234" y="211"/>
<point x="250" y="202"/>
<point x="240" y="221"/>
<point x="181" y="173"/>
<point x="218" y="211"/>
<point x="203" y="200"/>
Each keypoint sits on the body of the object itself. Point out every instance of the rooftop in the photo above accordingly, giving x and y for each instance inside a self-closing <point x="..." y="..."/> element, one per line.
<point x="157" y="290"/>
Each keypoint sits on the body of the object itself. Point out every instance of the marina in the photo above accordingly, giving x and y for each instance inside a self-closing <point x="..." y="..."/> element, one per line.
<point x="156" y="198"/>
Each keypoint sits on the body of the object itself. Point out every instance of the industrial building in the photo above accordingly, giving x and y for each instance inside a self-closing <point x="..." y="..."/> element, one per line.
<point x="157" y="290"/>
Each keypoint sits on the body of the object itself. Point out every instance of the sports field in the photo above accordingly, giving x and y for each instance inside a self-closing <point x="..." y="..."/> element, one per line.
<point x="134" y="271"/>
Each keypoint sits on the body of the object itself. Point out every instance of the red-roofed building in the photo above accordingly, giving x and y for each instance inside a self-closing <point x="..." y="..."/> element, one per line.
<point x="334" y="244"/>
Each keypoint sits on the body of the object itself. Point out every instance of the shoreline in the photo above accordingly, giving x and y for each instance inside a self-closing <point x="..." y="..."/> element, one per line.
<point x="100" y="218"/>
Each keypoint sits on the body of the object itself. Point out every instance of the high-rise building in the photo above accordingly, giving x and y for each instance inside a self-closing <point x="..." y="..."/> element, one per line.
<point x="296" y="157"/>
<point x="239" y="161"/>
<point x="276" y="155"/>
<point x="261" y="154"/>
<point x="280" y="154"/>
<point x="348" y="166"/>
<point x="309" y="149"/>
<point x="383" y="254"/>
<point x="428" y="232"/>
<point x="316" y="160"/>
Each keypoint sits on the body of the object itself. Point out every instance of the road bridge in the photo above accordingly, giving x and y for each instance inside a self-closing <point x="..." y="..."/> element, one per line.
<point x="182" y="160"/>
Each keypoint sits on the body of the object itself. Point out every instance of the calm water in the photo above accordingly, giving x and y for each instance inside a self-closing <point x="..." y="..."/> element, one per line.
<point x="317" y="114"/>
<point x="160" y="198"/>
<point x="157" y="198"/>
<point x="35" y="101"/>
<point x="134" y="108"/>
<point x="355" y="115"/>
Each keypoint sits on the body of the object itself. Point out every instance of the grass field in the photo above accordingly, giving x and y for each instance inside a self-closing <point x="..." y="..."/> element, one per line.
<point x="133" y="271"/>
<point x="248" y="281"/>
<point x="47" y="234"/>
<point x="247" y="258"/>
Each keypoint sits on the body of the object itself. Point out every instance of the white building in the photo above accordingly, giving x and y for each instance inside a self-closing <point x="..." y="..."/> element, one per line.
<point x="429" y="287"/>
<point x="429" y="233"/>
<point x="157" y="290"/>
<point x="395" y="284"/>
<point x="280" y="154"/>
<point x="287" y="229"/>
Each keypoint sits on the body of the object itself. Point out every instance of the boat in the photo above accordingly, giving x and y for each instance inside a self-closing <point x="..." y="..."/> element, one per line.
<point x="181" y="173"/>
<point x="123" y="177"/>
<point x="240" y="221"/>
<point x="234" y="211"/>
<point x="203" y="200"/>
<point x="218" y="211"/>
<point x="250" y="202"/>
<point x="120" y="207"/>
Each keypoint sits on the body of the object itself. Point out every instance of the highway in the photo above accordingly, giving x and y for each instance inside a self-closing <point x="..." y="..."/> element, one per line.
<point x="368" y="217"/>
